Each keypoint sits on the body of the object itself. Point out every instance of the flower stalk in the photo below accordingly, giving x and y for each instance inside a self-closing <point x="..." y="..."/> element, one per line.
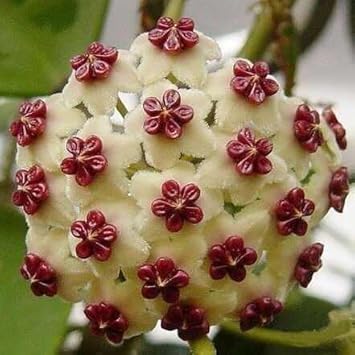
<point x="202" y="346"/>
<point x="174" y="9"/>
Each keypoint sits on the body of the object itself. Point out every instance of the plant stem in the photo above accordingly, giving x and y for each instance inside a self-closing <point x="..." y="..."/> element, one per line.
<point x="121" y="108"/>
<point x="259" y="36"/>
<point x="174" y="9"/>
<point x="202" y="346"/>
<point x="302" y="339"/>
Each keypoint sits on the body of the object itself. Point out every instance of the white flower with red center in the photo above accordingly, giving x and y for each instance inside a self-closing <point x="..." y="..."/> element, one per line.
<point x="246" y="95"/>
<point x="96" y="161"/>
<point x="167" y="122"/>
<point x="50" y="245"/>
<point x="177" y="49"/>
<point x="45" y="136"/>
<point x="248" y="165"/>
<point x="98" y="76"/>
<point x="103" y="236"/>
<point x="173" y="202"/>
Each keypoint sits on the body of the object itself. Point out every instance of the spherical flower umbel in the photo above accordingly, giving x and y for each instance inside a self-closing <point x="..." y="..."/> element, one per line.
<point x="87" y="159"/>
<point x="259" y="312"/>
<point x="41" y="275"/>
<point x="106" y="320"/>
<point x="177" y="205"/>
<point x="31" y="123"/>
<point x="189" y="320"/>
<point x="167" y="116"/>
<point x="32" y="189"/>
<point x="97" y="236"/>
<point x="253" y="81"/>
<point x="308" y="263"/>
<point x="168" y="206"/>
<point x="96" y="63"/>
<point x="250" y="154"/>
<point x="162" y="277"/>
<point x="230" y="258"/>
<point x="173" y="37"/>
<point x="307" y="129"/>
<point x="336" y="126"/>
<point x="339" y="188"/>
<point x="290" y="213"/>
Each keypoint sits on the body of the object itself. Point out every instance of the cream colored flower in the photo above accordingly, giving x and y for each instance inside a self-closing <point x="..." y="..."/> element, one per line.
<point x="128" y="249"/>
<point x="125" y="297"/>
<point x="235" y="111"/>
<point x="60" y="123"/>
<point x="242" y="189"/>
<point x="147" y="187"/>
<point x="100" y="96"/>
<point x="51" y="244"/>
<point x="187" y="65"/>
<point x="167" y="122"/>
<point x="119" y="151"/>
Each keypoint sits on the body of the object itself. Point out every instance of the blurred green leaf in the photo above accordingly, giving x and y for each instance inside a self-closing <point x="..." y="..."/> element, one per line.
<point x="8" y="110"/>
<point x="29" y="325"/>
<point x="37" y="39"/>
<point x="301" y="313"/>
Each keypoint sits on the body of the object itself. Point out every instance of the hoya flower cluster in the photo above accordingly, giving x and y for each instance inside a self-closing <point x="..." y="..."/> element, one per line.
<point x="199" y="207"/>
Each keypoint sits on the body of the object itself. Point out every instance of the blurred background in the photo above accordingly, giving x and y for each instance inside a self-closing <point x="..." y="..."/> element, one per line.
<point x="37" y="37"/>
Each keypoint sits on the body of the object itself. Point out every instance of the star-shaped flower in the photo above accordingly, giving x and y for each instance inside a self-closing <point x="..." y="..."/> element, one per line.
<point x="250" y="154"/>
<point x="307" y="129"/>
<point x="95" y="64"/>
<point x="162" y="277"/>
<point x="290" y="213"/>
<point x="87" y="159"/>
<point x="104" y="236"/>
<point x="167" y="116"/>
<point x="182" y="208"/>
<point x="32" y="189"/>
<point x="339" y="189"/>
<point x="253" y="81"/>
<point x="99" y="159"/>
<point x="41" y="275"/>
<point x="173" y="38"/>
<point x="97" y="236"/>
<point x="106" y="320"/>
<point x="241" y="178"/>
<point x="47" y="148"/>
<point x="31" y="123"/>
<point x="49" y="244"/>
<point x="308" y="263"/>
<point x="190" y="321"/>
<point x="168" y="121"/>
<point x="242" y="99"/>
<point x="230" y="258"/>
<point x="98" y="76"/>
<point x="259" y="313"/>
<point x="175" y="49"/>
<point x="177" y="205"/>
<point x="338" y="129"/>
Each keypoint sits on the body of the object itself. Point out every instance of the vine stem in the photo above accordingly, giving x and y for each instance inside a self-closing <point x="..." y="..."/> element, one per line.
<point x="174" y="9"/>
<point x="260" y="35"/>
<point x="121" y="108"/>
<point x="202" y="346"/>
<point x="302" y="339"/>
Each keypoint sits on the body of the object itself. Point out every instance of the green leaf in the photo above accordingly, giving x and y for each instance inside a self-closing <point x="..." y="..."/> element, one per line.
<point x="29" y="325"/>
<point x="301" y="313"/>
<point x="37" y="39"/>
<point x="8" y="110"/>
